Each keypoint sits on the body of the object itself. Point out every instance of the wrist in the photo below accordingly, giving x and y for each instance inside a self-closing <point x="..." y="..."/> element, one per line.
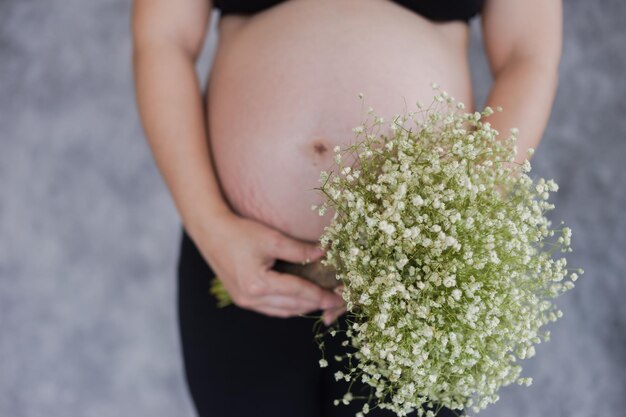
<point x="208" y="223"/>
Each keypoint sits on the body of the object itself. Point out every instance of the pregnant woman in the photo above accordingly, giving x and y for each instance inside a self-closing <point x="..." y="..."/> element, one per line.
<point x="241" y="159"/>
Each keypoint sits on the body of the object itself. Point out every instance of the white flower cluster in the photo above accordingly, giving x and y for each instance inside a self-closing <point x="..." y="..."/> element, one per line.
<point x="442" y="243"/>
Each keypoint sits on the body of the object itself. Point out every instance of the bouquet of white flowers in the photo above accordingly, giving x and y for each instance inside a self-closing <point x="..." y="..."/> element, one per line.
<point x="446" y="256"/>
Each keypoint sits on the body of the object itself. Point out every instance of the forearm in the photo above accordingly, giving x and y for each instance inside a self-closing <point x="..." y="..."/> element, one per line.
<point x="525" y="90"/>
<point x="172" y="114"/>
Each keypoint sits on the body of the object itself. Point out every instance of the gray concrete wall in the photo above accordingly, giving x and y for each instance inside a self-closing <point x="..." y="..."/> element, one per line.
<point x="89" y="235"/>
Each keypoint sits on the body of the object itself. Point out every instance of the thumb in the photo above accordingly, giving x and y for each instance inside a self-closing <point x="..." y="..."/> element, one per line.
<point x="296" y="251"/>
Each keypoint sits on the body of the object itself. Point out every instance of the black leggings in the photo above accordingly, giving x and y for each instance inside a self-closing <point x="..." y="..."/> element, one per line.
<point x="241" y="363"/>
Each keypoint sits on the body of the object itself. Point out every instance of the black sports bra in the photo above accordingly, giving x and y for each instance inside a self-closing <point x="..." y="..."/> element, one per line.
<point x="436" y="10"/>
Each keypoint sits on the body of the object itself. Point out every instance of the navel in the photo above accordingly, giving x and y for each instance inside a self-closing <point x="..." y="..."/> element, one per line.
<point x="319" y="147"/>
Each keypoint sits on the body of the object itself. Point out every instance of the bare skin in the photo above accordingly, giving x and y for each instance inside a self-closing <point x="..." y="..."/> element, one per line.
<point x="282" y="94"/>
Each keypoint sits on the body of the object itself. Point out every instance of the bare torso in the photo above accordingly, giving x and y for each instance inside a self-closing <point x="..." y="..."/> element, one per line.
<point x="283" y="92"/>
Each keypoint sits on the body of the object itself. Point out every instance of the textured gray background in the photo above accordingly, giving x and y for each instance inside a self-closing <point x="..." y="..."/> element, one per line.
<point x="88" y="234"/>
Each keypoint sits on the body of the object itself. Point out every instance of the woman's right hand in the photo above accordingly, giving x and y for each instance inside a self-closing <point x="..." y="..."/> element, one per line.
<point x="242" y="252"/>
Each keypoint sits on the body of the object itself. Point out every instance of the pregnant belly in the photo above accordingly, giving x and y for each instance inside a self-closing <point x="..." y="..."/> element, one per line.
<point x="283" y="92"/>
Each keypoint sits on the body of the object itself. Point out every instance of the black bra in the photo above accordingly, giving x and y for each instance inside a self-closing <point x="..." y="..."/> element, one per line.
<point x="436" y="10"/>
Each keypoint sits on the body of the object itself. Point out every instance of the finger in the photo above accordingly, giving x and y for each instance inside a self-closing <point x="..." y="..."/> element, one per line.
<point x="295" y="251"/>
<point x="270" y="310"/>
<point x="297" y="305"/>
<point x="339" y="289"/>
<point x="331" y="315"/>
<point x="275" y="312"/>
<point x="287" y="284"/>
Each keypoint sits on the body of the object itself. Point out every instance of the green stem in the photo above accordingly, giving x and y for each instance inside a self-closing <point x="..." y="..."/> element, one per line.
<point x="220" y="293"/>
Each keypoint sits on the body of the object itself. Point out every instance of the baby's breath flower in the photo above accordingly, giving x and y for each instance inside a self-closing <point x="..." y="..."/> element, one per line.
<point x="445" y="253"/>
